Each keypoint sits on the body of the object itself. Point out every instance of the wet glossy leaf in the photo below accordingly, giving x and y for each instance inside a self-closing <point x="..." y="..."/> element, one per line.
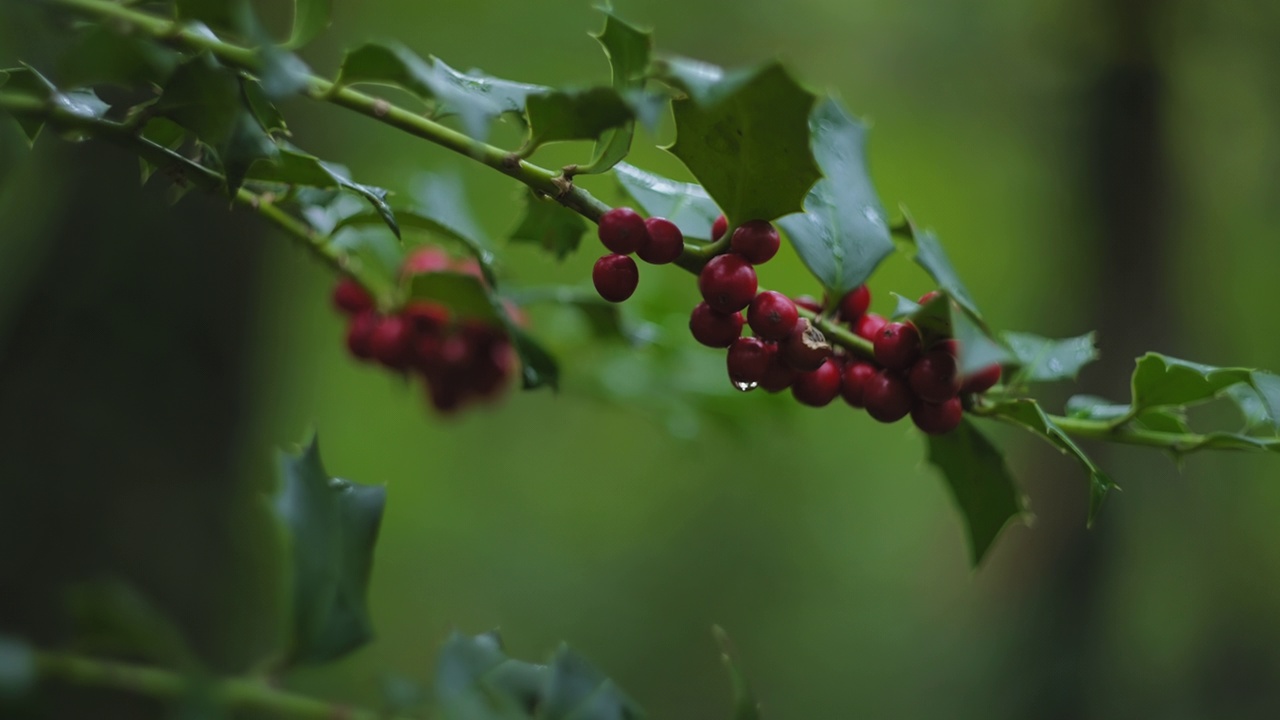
<point x="550" y="225"/>
<point x="1044" y="359"/>
<point x="842" y="235"/>
<point x="686" y="204"/>
<point x="628" y="50"/>
<point x="333" y="526"/>
<point x="745" y="137"/>
<point x="980" y="483"/>
<point x="310" y="18"/>
<point x="574" y="115"/>
<point x="578" y="690"/>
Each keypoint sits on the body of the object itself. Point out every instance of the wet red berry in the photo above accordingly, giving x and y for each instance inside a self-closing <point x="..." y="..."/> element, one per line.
<point x="360" y="334"/>
<point x="622" y="230"/>
<point x="615" y="277"/>
<point x="817" y="387"/>
<point x="772" y="315"/>
<point x="390" y="342"/>
<point x="727" y="283"/>
<point x="666" y="242"/>
<point x="886" y="397"/>
<point x="933" y="378"/>
<point x="869" y="325"/>
<point x="719" y="227"/>
<point x="755" y="240"/>
<point x="748" y="361"/>
<point x="805" y="348"/>
<point x="714" y="329"/>
<point x="897" y="345"/>
<point x="982" y="380"/>
<point x="351" y="298"/>
<point x="778" y="377"/>
<point x="855" y="303"/>
<point x="853" y="380"/>
<point x="937" y="418"/>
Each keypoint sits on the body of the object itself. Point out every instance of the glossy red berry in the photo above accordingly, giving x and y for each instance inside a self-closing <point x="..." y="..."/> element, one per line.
<point x="714" y="329"/>
<point x="772" y="315"/>
<point x="755" y="240"/>
<point x="727" y="283"/>
<point x="853" y="380"/>
<point x="886" y="397"/>
<point x="897" y="345"/>
<point x="360" y="334"/>
<point x="809" y="302"/>
<point x="937" y="418"/>
<point x="933" y="378"/>
<point x="805" y="348"/>
<point x="390" y="342"/>
<point x="855" y="303"/>
<point x="719" y="227"/>
<point x="869" y="326"/>
<point x="351" y="298"/>
<point x="778" y="377"/>
<point x="622" y="230"/>
<point x="615" y="277"/>
<point x="982" y="380"/>
<point x="817" y="388"/>
<point x="748" y="361"/>
<point x="925" y="298"/>
<point x="666" y="242"/>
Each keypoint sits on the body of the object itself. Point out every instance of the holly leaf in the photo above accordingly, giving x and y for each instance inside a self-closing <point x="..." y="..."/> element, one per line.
<point x="263" y="108"/>
<point x="1028" y="413"/>
<point x="1043" y="359"/>
<point x="100" y="55"/>
<point x="573" y="115"/>
<point x="745" y="705"/>
<point x="577" y="690"/>
<point x="550" y="225"/>
<point x="1160" y="380"/>
<point x="475" y="680"/>
<point x="939" y="319"/>
<point x="1091" y="407"/>
<point x="294" y="167"/>
<point x="980" y="483"/>
<point x="745" y="137"/>
<point x="333" y="526"/>
<point x="310" y="18"/>
<point x="842" y="235"/>
<point x="930" y="256"/>
<point x="628" y="50"/>
<point x="164" y="133"/>
<point x="686" y="204"/>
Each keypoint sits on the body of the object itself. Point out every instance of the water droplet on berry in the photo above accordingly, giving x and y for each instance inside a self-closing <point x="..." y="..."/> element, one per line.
<point x="745" y="386"/>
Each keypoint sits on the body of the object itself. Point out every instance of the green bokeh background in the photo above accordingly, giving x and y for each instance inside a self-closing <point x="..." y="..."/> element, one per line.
<point x="1106" y="164"/>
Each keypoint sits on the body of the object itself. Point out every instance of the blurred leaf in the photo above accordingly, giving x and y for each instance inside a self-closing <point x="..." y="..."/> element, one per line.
<point x="441" y="208"/>
<point x="577" y="690"/>
<point x="465" y="294"/>
<point x="1162" y="380"/>
<point x="547" y="223"/>
<point x="931" y="257"/>
<point x="27" y="81"/>
<point x="574" y="115"/>
<point x="1044" y="360"/>
<point x="224" y="14"/>
<point x="310" y="18"/>
<point x="745" y="705"/>
<point x="980" y="483"/>
<point x="333" y="525"/>
<point x="842" y="235"/>
<point x="686" y="204"/>
<point x="292" y="167"/>
<point x="111" y="616"/>
<point x="606" y="319"/>
<point x="475" y="680"/>
<point x="1090" y="407"/>
<point x="1027" y="413"/>
<point x="628" y="50"/>
<point x="17" y="667"/>
<point x="100" y="55"/>
<point x="263" y="109"/>
<point x="746" y="139"/>
<point x="1249" y="402"/>
<point x="247" y="144"/>
<point x="401" y="695"/>
<point x="163" y="132"/>
<point x="281" y="72"/>
<point x="538" y="367"/>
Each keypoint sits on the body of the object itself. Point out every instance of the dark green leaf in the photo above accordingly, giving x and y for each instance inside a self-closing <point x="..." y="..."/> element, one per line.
<point x="686" y="204"/>
<point x="475" y="680"/>
<point x="263" y="109"/>
<point x="579" y="691"/>
<point x="291" y="167"/>
<point x="1250" y="404"/>
<point x="372" y="251"/>
<point x="247" y="144"/>
<point x="165" y="133"/>
<point x="465" y="293"/>
<point x="111" y="616"/>
<point x="538" y="367"/>
<point x="940" y="319"/>
<point x="1090" y="407"/>
<point x="551" y="225"/>
<point x="933" y="319"/>
<point x="17" y="667"/>
<point x="282" y="73"/>
<point x="1161" y="380"/>
<point x="842" y="235"/>
<point x="574" y="115"/>
<point x="745" y="137"/>
<point x="1028" y="414"/>
<point x="628" y="50"/>
<point x="27" y="81"/>
<point x="931" y="257"/>
<point x="101" y="55"/>
<point x="980" y="483"/>
<point x="745" y="705"/>
<point x="310" y="18"/>
<point x="1044" y="359"/>
<point x="333" y="525"/>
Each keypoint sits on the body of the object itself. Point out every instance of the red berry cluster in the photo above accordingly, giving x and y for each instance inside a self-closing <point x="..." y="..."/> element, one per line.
<point x="461" y="360"/>
<point x="655" y="240"/>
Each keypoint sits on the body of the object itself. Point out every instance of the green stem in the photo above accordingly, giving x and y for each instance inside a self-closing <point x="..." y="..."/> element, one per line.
<point x="1107" y="431"/>
<point x="153" y="682"/>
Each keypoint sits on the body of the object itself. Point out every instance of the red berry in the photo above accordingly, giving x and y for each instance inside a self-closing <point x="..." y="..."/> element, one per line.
<point x="818" y="387"/>
<point x="925" y="298"/>
<point x="714" y="329"/>
<point x="615" y="277"/>
<point x="886" y="397"/>
<point x="666" y="242"/>
<point x="492" y="368"/>
<point x="855" y="303"/>
<point x="937" y="418"/>
<point x="426" y="318"/>
<point x="805" y="348"/>
<point x="622" y="231"/>
<point x="755" y="240"/>
<point x="778" y="377"/>
<point x="425" y="260"/>
<point x="446" y="397"/>
<point x="772" y="315"/>
<point x="351" y="298"/>
<point x="748" y="361"/>
<point x="982" y="380"/>
<point x="360" y="334"/>
<point x="809" y="302"/>
<point x="897" y="345"/>
<point x="853" y="381"/>
<point x="933" y="378"/>
<point x="727" y="283"/>
<point x="719" y="227"/>
<point x="390" y="342"/>
<point x="869" y="325"/>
